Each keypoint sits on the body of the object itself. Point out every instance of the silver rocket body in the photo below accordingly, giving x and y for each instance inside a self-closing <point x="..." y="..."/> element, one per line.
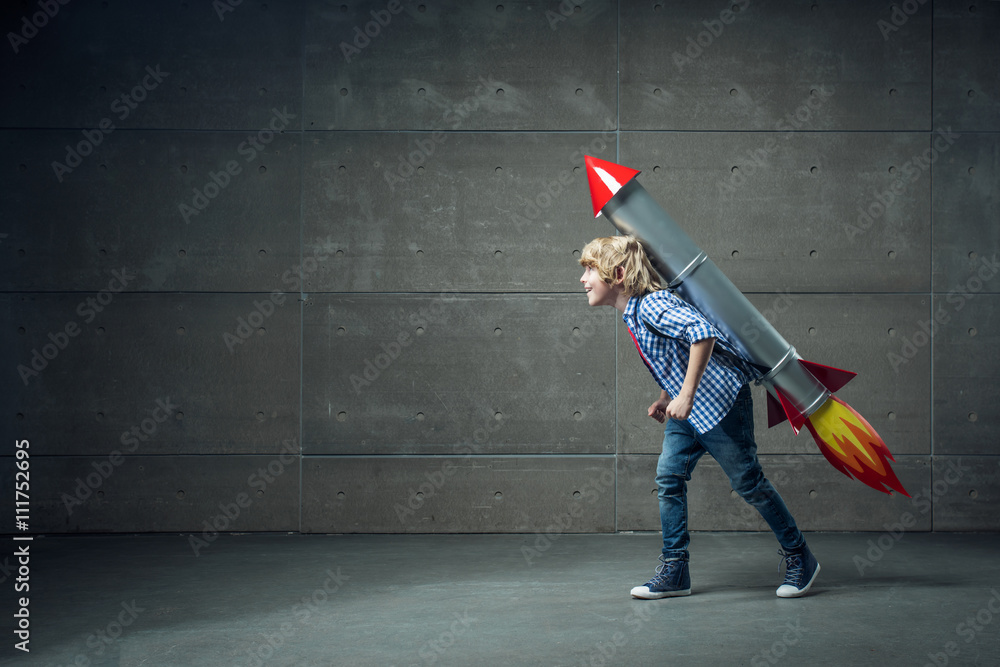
<point x="688" y="270"/>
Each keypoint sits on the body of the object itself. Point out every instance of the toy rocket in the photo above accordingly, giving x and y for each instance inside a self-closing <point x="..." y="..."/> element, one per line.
<point x="797" y="390"/>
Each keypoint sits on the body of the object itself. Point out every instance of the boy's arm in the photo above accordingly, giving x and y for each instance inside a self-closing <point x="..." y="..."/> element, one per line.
<point x="680" y="406"/>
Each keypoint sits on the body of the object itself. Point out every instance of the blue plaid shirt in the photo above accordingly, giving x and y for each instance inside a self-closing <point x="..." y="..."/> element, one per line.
<point x="667" y="355"/>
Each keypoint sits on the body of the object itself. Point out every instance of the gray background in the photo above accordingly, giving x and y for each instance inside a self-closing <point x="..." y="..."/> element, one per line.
<point x="426" y="201"/>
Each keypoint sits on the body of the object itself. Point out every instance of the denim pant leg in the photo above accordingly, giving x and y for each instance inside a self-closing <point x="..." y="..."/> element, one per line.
<point x="732" y="444"/>
<point x="680" y="454"/>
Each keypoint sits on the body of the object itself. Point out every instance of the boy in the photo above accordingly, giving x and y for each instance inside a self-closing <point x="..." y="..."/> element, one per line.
<point x="705" y="403"/>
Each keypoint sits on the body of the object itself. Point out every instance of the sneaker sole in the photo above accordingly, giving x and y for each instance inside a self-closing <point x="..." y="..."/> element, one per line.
<point x="800" y="593"/>
<point x="643" y="593"/>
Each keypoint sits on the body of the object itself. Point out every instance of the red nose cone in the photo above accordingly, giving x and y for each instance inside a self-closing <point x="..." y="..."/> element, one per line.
<point x="605" y="179"/>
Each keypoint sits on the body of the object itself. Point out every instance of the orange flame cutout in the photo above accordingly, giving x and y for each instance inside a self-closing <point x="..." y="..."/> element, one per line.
<point x="852" y="446"/>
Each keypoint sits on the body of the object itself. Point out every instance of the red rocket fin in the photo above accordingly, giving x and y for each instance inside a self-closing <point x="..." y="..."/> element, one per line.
<point x="775" y="413"/>
<point x="605" y="179"/>
<point x="795" y="418"/>
<point x="830" y="377"/>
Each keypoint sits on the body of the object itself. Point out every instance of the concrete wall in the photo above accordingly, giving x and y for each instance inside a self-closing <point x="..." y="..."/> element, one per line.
<point x="311" y="266"/>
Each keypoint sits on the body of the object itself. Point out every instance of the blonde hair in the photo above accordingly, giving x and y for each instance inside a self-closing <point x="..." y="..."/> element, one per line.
<point x="606" y="254"/>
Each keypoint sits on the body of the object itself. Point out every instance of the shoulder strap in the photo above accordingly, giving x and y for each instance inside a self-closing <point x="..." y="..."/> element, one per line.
<point x="649" y="327"/>
<point x="646" y="324"/>
<point x="652" y="330"/>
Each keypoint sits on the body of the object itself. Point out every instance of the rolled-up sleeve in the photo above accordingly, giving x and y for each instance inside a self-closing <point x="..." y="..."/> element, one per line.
<point x="697" y="331"/>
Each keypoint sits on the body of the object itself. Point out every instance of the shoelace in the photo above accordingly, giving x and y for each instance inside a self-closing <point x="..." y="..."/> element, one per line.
<point x="663" y="570"/>
<point x="794" y="565"/>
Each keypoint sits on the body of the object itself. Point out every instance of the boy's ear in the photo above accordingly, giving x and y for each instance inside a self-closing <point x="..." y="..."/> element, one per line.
<point x="619" y="275"/>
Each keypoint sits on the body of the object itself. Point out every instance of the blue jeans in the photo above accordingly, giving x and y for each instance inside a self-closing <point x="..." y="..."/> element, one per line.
<point x="731" y="443"/>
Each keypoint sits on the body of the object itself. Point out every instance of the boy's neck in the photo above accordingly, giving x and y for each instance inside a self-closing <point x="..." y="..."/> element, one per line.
<point x="621" y="300"/>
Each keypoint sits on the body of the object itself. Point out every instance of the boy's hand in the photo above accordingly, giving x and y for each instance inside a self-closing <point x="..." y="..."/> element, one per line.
<point x="658" y="410"/>
<point x="680" y="407"/>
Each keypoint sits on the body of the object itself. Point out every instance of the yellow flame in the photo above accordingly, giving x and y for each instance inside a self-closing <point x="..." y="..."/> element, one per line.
<point x="833" y="422"/>
<point x="852" y="446"/>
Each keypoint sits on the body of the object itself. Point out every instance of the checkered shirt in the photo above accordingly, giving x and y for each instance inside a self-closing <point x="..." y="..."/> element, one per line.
<point x="667" y="355"/>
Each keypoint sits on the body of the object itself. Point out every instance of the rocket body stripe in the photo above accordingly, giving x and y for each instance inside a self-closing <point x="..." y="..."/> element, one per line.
<point x="671" y="251"/>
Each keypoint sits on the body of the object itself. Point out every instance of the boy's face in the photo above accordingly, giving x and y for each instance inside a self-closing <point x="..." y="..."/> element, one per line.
<point x="599" y="293"/>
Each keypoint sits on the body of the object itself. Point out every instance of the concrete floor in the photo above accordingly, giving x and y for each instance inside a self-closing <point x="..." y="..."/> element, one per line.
<point x="503" y="600"/>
